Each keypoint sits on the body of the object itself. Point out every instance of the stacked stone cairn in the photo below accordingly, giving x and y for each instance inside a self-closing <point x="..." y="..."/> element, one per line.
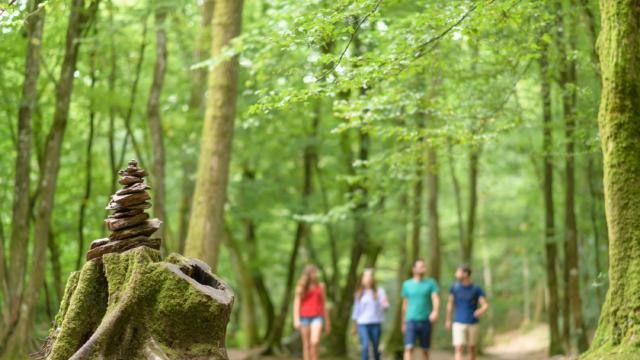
<point x="129" y="224"/>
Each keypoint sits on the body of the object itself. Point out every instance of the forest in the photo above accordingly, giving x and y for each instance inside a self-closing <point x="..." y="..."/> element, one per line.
<point x="347" y="134"/>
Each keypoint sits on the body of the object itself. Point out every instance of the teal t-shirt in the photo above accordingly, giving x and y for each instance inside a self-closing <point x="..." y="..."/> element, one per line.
<point x="418" y="295"/>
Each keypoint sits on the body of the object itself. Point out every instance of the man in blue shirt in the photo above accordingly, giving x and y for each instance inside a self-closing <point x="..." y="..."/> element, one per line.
<point x="470" y="304"/>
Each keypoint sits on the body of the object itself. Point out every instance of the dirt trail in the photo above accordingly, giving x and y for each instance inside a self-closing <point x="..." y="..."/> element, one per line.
<point x="514" y="345"/>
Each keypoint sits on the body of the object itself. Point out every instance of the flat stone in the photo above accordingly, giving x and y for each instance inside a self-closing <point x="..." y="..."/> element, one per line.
<point x="98" y="242"/>
<point x="125" y="222"/>
<point x="125" y="213"/>
<point x="139" y="173"/>
<point x="119" y="246"/>
<point x="146" y="228"/>
<point x="129" y="180"/>
<point x="124" y="201"/>
<point x="135" y="188"/>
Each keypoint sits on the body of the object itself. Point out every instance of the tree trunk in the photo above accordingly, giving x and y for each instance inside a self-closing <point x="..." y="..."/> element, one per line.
<point x="302" y="236"/>
<point x="395" y="342"/>
<point x="555" y="343"/>
<point x="258" y="279"/>
<point x="196" y="112"/>
<point x="155" y="121"/>
<point x="456" y="194"/>
<point x="619" y="123"/>
<point x="133" y="95"/>
<point x="472" y="202"/>
<point x="88" y="163"/>
<point x="21" y="208"/>
<point x="247" y="301"/>
<point x="432" y="214"/>
<point x="113" y="74"/>
<point x="79" y="18"/>
<point x="416" y="218"/>
<point x="206" y="227"/>
<point x="359" y="193"/>
<point x="567" y="84"/>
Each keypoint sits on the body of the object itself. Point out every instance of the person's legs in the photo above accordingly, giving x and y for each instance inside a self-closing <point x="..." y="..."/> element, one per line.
<point x="375" y="331"/>
<point x="363" y="334"/>
<point x="425" y="338"/>
<point x="459" y="353"/>
<point x="459" y="339"/>
<point x="305" y="334"/>
<point x="409" y="340"/>
<point x="473" y="331"/>
<point x="472" y="352"/>
<point x="316" y="332"/>
<point x="408" y="352"/>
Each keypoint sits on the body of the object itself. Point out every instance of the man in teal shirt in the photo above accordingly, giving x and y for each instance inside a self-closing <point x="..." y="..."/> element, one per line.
<point x="420" y="305"/>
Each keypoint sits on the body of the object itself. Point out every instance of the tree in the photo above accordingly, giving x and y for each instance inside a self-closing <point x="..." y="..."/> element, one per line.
<point x="206" y="228"/>
<point x="196" y="112"/>
<point x="155" y="120"/>
<point x="555" y="344"/>
<point x="13" y="286"/>
<point x="619" y="124"/>
<point x="432" y="213"/>
<point x="80" y="17"/>
<point x="567" y="82"/>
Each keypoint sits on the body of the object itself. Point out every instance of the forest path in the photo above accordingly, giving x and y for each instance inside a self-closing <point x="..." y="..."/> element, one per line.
<point x="514" y="345"/>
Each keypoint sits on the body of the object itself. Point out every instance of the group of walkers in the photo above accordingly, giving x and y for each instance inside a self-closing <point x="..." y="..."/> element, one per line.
<point x="420" y="308"/>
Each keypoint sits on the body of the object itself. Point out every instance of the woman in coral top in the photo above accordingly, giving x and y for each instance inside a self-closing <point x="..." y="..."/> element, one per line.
<point x="309" y="312"/>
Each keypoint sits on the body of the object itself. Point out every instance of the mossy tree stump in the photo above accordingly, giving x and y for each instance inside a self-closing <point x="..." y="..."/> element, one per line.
<point x="128" y="303"/>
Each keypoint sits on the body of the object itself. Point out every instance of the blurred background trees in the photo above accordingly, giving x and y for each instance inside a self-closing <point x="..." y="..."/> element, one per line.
<point x="365" y="133"/>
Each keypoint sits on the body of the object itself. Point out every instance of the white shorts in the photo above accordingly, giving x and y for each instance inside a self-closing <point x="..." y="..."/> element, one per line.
<point x="464" y="334"/>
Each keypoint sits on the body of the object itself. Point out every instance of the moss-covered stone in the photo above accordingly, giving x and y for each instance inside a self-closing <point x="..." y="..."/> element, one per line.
<point x="134" y="306"/>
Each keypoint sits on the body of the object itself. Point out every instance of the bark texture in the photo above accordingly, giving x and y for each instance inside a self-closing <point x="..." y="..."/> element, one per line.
<point x="206" y="227"/>
<point x="133" y="305"/>
<point x="80" y="18"/>
<point x="618" y="334"/>
<point x="550" y="246"/>
<point x="155" y="120"/>
<point x="432" y="214"/>
<point x="21" y="211"/>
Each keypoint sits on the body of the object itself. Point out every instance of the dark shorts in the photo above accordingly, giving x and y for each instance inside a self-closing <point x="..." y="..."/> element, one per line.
<point x="419" y="330"/>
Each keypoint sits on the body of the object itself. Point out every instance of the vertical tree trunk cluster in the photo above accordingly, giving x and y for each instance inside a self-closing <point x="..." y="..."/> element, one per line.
<point x="551" y="249"/>
<point x="13" y="281"/>
<point x="206" y="227"/>
<point x="80" y="18"/>
<point x="155" y="120"/>
<point x="618" y="334"/>
<point x="565" y="39"/>
<point x="196" y="113"/>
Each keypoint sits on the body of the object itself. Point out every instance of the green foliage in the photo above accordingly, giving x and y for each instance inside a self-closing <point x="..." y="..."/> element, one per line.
<point x="412" y="75"/>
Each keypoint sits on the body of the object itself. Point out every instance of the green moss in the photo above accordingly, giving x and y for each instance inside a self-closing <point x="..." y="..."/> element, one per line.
<point x="145" y="305"/>
<point x="80" y="317"/>
<point x="69" y="289"/>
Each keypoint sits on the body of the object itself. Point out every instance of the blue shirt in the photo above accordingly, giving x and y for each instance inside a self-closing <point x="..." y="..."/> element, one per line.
<point x="369" y="310"/>
<point x="418" y="295"/>
<point x="465" y="300"/>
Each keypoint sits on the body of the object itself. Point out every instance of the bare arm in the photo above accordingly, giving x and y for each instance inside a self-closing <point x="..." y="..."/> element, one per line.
<point x="484" y="306"/>
<point x="383" y="300"/>
<point x="435" y="300"/>
<point x="296" y="310"/>
<point x="327" y="318"/>
<point x="404" y="314"/>
<point x="449" y="311"/>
